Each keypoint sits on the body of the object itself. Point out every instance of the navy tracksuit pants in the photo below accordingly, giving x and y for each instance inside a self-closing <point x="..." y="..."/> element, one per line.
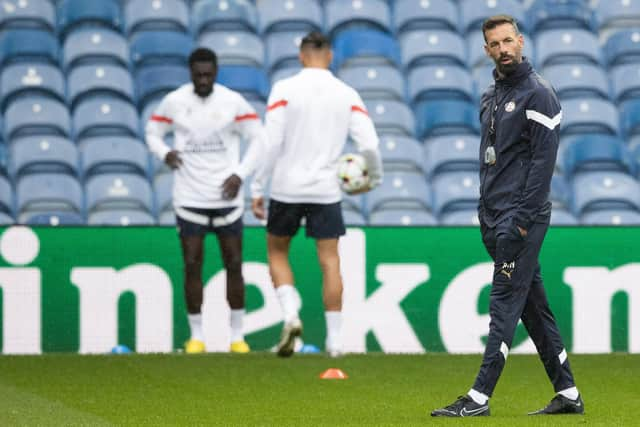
<point x="517" y="293"/>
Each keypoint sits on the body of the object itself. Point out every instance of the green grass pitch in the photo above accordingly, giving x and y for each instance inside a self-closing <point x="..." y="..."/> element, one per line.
<point x="260" y="389"/>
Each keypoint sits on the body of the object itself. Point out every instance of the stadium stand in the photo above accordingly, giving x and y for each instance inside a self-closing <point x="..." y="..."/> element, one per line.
<point x="95" y="46"/>
<point x="411" y="15"/>
<point x="375" y="81"/>
<point x="80" y="78"/>
<point x="34" y="14"/>
<point x="43" y="154"/>
<point x="454" y="191"/>
<point x="29" y="79"/>
<point x="400" y="190"/>
<point x="150" y="15"/>
<point x="48" y="192"/>
<point x="289" y="15"/>
<point x="115" y="191"/>
<point x="74" y="14"/>
<point x="92" y="81"/>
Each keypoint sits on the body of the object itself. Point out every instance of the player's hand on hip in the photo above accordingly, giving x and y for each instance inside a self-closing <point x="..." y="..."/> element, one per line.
<point x="231" y="186"/>
<point x="257" y="206"/>
<point x="173" y="160"/>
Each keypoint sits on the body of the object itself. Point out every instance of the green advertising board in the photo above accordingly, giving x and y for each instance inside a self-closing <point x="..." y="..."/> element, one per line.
<point x="407" y="290"/>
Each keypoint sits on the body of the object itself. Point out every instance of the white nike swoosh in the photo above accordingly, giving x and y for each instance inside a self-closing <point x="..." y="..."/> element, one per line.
<point x="465" y="413"/>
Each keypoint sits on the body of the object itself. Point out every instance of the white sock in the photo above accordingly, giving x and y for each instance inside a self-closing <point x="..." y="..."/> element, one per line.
<point x="287" y="295"/>
<point x="195" y="323"/>
<point x="479" y="398"/>
<point x="570" y="393"/>
<point x="236" y="325"/>
<point x="334" y="326"/>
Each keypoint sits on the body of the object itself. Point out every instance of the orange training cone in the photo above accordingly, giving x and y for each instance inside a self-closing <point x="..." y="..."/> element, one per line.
<point x="333" y="374"/>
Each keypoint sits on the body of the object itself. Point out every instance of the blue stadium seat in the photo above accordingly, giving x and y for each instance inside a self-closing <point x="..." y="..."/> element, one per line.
<point x="625" y="81"/>
<point x="6" y="196"/>
<point x="6" y="219"/>
<point x="19" y="80"/>
<point x="155" y="81"/>
<point x="617" y="13"/>
<point x="402" y="217"/>
<point x="623" y="47"/>
<point x="88" y="81"/>
<point x="559" y="194"/>
<point x="391" y="116"/>
<point x="113" y="191"/>
<point x="561" y="216"/>
<point x="460" y="217"/>
<point x="451" y="153"/>
<point x="114" y="155"/>
<point x="597" y="153"/>
<point x="604" y="190"/>
<point x="401" y="153"/>
<point x="554" y="14"/>
<point x="163" y="188"/>
<point x="439" y="82"/>
<point x="432" y="47"/>
<point x="589" y="115"/>
<point x="289" y="15"/>
<point x="28" y="46"/>
<point x="52" y="219"/>
<point x="104" y="116"/>
<point x="364" y="47"/>
<point x="478" y="56"/>
<point x="95" y="46"/>
<point x="375" y="81"/>
<point x="400" y="190"/>
<point x="30" y="14"/>
<point x="169" y="218"/>
<point x="47" y="192"/>
<point x="251" y="82"/>
<point x="234" y="47"/>
<point x="259" y="106"/>
<point x="571" y="46"/>
<point x="80" y="13"/>
<point x="353" y="219"/>
<point x="121" y="217"/>
<point x="352" y="203"/>
<point x="282" y="49"/>
<point x="482" y="78"/>
<point x="411" y="15"/>
<point x="283" y="73"/>
<point x="611" y="217"/>
<point x="160" y="48"/>
<point x="43" y="154"/>
<point x="454" y="191"/>
<point x="578" y="80"/>
<point x="447" y="117"/>
<point x="223" y="15"/>
<point x="341" y="15"/>
<point x="36" y="115"/>
<point x="474" y="12"/>
<point x="145" y="15"/>
<point x="630" y="117"/>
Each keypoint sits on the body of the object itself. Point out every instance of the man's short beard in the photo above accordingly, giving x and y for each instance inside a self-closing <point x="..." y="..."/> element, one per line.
<point x="507" y="69"/>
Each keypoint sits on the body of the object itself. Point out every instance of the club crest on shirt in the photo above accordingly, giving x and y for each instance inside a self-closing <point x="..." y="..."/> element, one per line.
<point x="510" y="106"/>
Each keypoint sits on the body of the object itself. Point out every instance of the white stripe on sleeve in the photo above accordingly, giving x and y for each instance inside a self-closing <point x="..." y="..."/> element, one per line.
<point x="551" y="123"/>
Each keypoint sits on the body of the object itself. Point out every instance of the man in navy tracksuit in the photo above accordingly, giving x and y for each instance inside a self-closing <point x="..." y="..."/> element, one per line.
<point x="520" y="118"/>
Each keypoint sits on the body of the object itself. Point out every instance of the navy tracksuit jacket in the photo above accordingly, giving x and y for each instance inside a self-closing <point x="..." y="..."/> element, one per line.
<point x="520" y="117"/>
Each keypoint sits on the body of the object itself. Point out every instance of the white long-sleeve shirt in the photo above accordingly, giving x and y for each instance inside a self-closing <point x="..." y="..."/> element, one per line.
<point x="207" y="133"/>
<point x="309" y="117"/>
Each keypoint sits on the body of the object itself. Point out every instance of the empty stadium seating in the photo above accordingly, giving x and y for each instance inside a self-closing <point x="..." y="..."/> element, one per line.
<point x="79" y="79"/>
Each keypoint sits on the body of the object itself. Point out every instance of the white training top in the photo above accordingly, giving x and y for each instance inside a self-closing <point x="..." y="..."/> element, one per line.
<point x="207" y="133"/>
<point x="308" y="119"/>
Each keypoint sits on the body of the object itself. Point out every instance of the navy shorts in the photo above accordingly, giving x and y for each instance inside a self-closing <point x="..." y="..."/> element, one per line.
<point x="323" y="221"/>
<point x="188" y="228"/>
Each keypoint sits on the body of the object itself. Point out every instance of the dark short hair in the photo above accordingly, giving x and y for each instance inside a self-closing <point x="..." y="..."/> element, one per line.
<point x="493" y="21"/>
<point x="202" y="54"/>
<point x="315" y="40"/>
